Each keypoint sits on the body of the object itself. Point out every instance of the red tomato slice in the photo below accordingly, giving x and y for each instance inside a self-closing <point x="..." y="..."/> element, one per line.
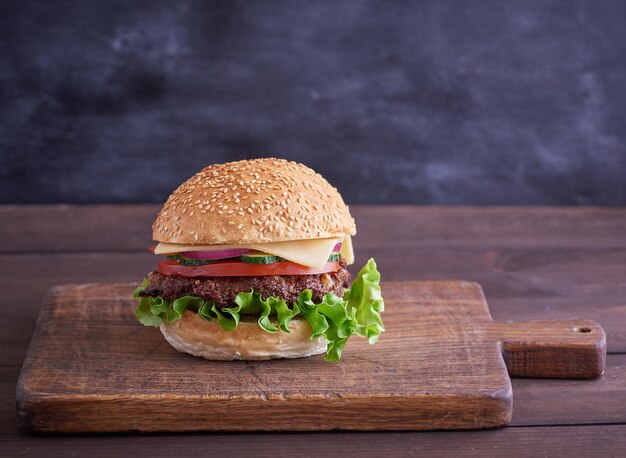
<point x="241" y="269"/>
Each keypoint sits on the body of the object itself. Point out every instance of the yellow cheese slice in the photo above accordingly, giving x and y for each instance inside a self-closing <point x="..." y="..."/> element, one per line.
<point x="346" y="251"/>
<point x="311" y="253"/>
<point x="168" y="248"/>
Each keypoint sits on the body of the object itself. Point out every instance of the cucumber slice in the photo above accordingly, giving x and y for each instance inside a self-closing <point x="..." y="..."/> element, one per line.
<point x="189" y="262"/>
<point x="263" y="258"/>
<point x="259" y="258"/>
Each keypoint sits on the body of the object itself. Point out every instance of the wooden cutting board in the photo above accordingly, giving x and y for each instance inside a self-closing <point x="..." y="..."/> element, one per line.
<point x="441" y="364"/>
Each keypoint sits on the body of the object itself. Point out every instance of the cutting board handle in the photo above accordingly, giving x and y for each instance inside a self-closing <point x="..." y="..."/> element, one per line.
<point x="553" y="349"/>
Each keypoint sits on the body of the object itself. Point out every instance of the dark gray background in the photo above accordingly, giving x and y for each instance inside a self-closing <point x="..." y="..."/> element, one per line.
<point x="442" y="102"/>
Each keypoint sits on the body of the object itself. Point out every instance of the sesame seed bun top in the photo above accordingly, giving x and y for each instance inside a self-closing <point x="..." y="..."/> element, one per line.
<point x="253" y="201"/>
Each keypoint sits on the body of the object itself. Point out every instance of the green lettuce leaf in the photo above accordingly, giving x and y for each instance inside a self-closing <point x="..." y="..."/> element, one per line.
<point x="144" y="284"/>
<point x="366" y="298"/>
<point x="335" y="319"/>
<point x="331" y="319"/>
<point x="252" y="303"/>
<point x="144" y="314"/>
<point x="228" y="317"/>
<point x="192" y="303"/>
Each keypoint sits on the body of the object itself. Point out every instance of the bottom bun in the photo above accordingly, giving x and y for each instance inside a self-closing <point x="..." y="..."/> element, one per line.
<point x="196" y="336"/>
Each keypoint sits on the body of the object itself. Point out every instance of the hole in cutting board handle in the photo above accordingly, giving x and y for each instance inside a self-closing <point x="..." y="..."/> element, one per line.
<point x="583" y="329"/>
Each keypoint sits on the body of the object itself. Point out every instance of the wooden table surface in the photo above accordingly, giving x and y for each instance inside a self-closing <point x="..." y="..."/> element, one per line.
<point x="533" y="263"/>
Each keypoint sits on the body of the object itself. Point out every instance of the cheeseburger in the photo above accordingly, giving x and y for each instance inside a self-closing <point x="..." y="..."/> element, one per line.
<point x="253" y="267"/>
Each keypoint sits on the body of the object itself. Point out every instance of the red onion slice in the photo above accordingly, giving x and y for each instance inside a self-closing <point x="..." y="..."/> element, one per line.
<point x="337" y="247"/>
<point x="211" y="255"/>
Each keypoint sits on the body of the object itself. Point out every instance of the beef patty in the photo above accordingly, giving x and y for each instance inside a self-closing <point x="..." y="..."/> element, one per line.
<point x="222" y="290"/>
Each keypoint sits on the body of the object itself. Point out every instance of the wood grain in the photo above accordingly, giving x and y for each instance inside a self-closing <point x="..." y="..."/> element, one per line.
<point x="91" y="367"/>
<point x="552" y="349"/>
<point x="536" y="401"/>
<point x="98" y="228"/>
<point x="547" y="441"/>
<point x="533" y="262"/>
<point x="521" y="284"/>
<point x="572" y="402"/>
